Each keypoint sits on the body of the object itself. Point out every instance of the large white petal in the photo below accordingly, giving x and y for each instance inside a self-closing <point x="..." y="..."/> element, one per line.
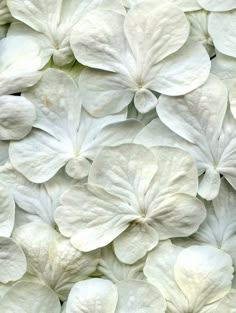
<point x="176" y="172"/>
<point x="92" y="217"/>
<point x="159" y="270"/>
<point x="7" y="211"/>
<point x="176" y="215"/>
<point x="181" y="72"/>
<point x="57" y="103"/>
<point x="92" y="296"/>
<point x="139" y="296"/>
<point x="204" y="274"/>
<point x="104" y="93"/>
<point x="126" y="171"/>
<point x="39" y="156"/>
<point x="30" y="297"/>
<point x="112" y="135"/>
<point x="135" y="242"/>
<point x="17" y="116"/>
<point x="12" y="260"/>
<point x="223" y="36"/>
<point x="154" y="29"/>
<point x="18" y="28"/>
<point x="98" y="41"/>
<point x="20" y="62"/>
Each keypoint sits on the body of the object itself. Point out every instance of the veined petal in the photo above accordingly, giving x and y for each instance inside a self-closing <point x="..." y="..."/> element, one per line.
<point x="40" y="156"/>
<point x="92" y="217"/>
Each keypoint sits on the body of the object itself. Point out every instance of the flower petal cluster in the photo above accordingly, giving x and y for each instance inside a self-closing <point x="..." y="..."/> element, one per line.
<point x="117" y="156"/>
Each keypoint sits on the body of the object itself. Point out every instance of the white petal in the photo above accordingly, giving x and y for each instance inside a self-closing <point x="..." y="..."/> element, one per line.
<point x="139" y="296"/>
<point x="92" y="217"/>
<point x="232" y="99"/>
<point x="112" y="135"/>
<point x="223" y="36"/>
<point x="125" y="170"/>
<point x="183" y="115"/>
<point x="57" y="103"/>
<point x="159" y="270"/>
<point x="7" y="212"/>
<point x="78" y="168"/>
<point x="17" y="116"/>
<point x="21" y="64"/>
<point x="181" y="72"/>
<point x="176" y="215"/>
<point x="154" y="29"/>
<point x="12" y="260"/>
<point x="224" y="66"/>
<point x="98" y="41"/>
<point x="204" y="274"/>
<point x="144" y="100"/>
<point x="37" y="16"/>
<point x="217" y="5"/>
<point x="135" y="242"/>
<point x="176" y="172"/>
<point x="210" y="184"/>
<point x="92" y="296"/>
<point x="103" y="92"/>
<point x="39" y="156"/>
<point x="29" y="297"/>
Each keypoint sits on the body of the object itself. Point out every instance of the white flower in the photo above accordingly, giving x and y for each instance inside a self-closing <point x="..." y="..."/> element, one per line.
<point x="131" y="56"/>
<point x="135" y="197"/>
<point x="200" y="124"/>
<point x="51" y="21"/>
<point x="193" y="280"/>
<point x="63" y="134"/>
<point x="100" y="295"/>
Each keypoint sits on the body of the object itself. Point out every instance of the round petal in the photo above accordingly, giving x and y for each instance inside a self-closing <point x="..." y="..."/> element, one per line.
<point x="223" y="32"/>
<point x="12" y="260"/>
<point x="17" y="116"/>
<point x="204" y="274"/>
<point x="92" y="296"/>
<point x="30" y="297"/>
<point x="144" y="100"/>
<point x="181" y="72"/>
